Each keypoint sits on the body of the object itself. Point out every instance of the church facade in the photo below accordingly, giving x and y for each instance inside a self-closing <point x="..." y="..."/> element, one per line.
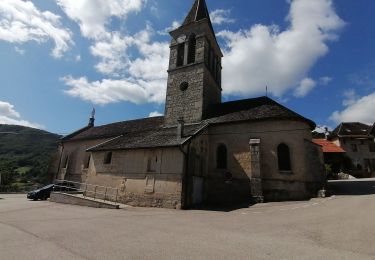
<point x="203" y="151"/>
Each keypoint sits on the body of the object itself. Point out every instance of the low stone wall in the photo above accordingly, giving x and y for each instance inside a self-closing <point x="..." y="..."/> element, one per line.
<point x="74" y="200"/>
<point x="155" y="200"/>
<point x="278" y="190"/>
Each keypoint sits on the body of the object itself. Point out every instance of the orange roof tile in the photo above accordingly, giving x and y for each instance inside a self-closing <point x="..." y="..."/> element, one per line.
<point x="328" y="147"/>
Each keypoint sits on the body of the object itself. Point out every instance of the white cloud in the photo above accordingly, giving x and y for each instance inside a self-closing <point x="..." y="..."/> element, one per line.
<point x="325" y="80"/>
<point x="7" y="109"/>
<point x="174" y="25"/>
<point x="105" y="91"/>
<point x="139" y="79"/>
<point x="9" y="116"/>
<point x="322" y="129"/>
<point x="351" y="97"/>
<point x="113" y="91"/>
<point x="19" y="50"/>
<point x="153" y="63"/>
<point x="155" y="114"/>
<point x="356" y="110"/>
<point x="21" y="22"/>
<point x="93" y="15"/>
<point x="265" y="56"/>
<point x="304" y="88"/>
<point x="364" y="77"/>
<point x="220" y="16"/>
<point x="112" y="53"/>
<point x="146" y="77"/>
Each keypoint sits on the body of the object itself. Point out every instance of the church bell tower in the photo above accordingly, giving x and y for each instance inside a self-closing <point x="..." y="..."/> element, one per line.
<point x="194" y="74"/>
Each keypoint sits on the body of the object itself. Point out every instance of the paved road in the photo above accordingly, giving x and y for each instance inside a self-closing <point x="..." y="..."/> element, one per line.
<point x="340" y="227"/>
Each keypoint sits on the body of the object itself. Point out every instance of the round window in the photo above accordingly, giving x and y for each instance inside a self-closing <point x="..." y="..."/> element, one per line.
<point x="184" y="86"/>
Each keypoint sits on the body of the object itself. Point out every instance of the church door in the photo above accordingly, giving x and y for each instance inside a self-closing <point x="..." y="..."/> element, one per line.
<point x="197" y="190"/>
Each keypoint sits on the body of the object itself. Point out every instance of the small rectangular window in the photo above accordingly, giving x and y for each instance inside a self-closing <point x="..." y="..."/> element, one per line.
<point x="372" y="147"/>
<point x="87" y="161"/>
<point x="221" y="157"/>
<point x="151" y="163"/>
<point x="108" y="158"/>
<point x="66" y="162"/>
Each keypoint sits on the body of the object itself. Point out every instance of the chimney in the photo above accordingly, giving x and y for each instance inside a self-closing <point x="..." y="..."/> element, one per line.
<point x="92" y="118"/>
<point x="326" y="132"/>
<point x="180" y="127"/>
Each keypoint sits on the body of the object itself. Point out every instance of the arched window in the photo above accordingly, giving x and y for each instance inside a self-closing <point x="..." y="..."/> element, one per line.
<point x="180" y="54"/>
<point x="283" y="154"/>
<point x="221" y="157"/>
<point x="192" y="48"/>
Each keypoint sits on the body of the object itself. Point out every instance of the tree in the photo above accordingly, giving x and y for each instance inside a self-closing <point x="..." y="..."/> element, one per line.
<point x="6" y="172"/>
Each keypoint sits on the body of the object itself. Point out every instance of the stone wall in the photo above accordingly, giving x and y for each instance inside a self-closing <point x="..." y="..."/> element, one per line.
<point x="306" y="170"/>
<point x="189" y="103"/>
<point x="138" y="186"/>
<point x="358" y="158"/>
<point x="76" y="151"/>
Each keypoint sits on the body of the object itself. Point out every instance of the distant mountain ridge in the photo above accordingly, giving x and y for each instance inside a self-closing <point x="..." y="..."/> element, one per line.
<point x="25" y="154"/>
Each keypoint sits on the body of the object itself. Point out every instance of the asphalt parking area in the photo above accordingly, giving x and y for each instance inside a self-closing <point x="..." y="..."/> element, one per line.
<point x="340" y="227"/>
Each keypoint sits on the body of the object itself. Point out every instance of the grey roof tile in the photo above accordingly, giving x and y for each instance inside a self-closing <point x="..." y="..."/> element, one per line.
<point x="161" y="137"/>
<point x="151" y="132"/>
<point x="352" y="129"/>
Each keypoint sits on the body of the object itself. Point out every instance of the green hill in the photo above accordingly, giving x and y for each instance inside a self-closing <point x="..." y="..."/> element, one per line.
<point x="25" y="154"/>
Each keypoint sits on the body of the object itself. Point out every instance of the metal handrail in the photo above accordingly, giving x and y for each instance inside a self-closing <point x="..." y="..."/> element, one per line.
<point x="95" y="194"/>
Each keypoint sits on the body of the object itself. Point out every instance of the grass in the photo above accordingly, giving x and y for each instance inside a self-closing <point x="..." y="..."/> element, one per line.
<point x="23" y="170"/>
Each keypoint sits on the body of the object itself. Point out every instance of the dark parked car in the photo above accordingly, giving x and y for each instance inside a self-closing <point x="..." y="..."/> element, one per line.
<point x="45" y="192"/>
<point x="41" y="194"/>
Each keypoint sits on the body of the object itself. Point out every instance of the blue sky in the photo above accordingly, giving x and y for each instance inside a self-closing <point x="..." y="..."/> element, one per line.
<point x="60" y="58"/>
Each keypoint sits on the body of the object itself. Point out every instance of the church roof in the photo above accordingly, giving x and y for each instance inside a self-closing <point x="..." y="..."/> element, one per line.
<point x="348" y="129"/>
<point x="151" y="132"/>
<point x="116" y="129"/>
<point x="254" y="109"/>
<point x="198" y="12"/>
<point x="159" y="137"/>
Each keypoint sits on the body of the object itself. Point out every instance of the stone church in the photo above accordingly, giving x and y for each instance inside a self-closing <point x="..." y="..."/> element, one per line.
<point x="203" y="151"/>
